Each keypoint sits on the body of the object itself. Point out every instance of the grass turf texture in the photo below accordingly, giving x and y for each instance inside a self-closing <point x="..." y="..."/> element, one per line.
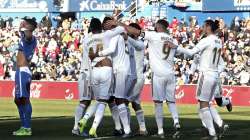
<point x="53" y="119"/>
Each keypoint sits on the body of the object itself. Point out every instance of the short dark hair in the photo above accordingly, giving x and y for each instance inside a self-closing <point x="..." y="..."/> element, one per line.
<point x="106" y="19"/>
<point x="163" y="23"/>
<point x="30" y="20"/>
<point x="95" y="25"/>
<point x="213" y="24"/>
<point x="135" y="25"/>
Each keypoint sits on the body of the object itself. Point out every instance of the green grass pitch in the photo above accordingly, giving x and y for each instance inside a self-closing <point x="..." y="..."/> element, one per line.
<point x="53" y="119"/>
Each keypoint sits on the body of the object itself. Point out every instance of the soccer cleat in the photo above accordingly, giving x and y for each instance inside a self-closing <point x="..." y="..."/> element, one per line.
<point x="82" y="124"/>
<point x="118" y="132"/>
<point x="23" y="132"/>
<point x="177" y="127"/>
<point x="223" y="130"/>
<point x="20" y="129"/>
<point x="177" y="133"/>
<point x="229" y="106"/>
<point x="75" y="132"/>
<point x="142" y="133"/>
<point x="161" y="136"/>
<point x="92" y="133"/>
<point x="126" y="136"/>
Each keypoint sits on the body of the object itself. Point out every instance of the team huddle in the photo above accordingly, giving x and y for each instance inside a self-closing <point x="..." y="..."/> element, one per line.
<point x="112" y="74"/>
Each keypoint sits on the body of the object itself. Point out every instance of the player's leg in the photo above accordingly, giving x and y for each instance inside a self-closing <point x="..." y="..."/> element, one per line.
<point x="22" y="101"/>
<point x="79" y="112"/>
<point x="158" y="93"/>
<point x="118" y="131"/>
<point x="170" y="100"/>
<point x="205" y="90"/>
<point x="136" y="104"/>
<point x="115" y="115"/>
<point x="102" y="96"/>
<point x="88" y="114"/>
<point x="85" y="99"/>
<point x="18" y="96"/>
<point x="120" y="99"/>
<point x="129" y="85"/>
<point x="220" y="99"/>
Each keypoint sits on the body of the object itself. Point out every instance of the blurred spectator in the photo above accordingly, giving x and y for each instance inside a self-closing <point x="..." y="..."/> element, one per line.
<point x="59" y="50"/>
<point x="46" y="22"/>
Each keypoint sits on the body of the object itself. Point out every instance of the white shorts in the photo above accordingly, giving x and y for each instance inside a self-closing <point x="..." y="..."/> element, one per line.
<point x="206" y="86"/>
<point x="101" y="82"/>
<point x="130" y="83"/>
<point x="120" y="78"/>
<point x="134" y="95"/>
<point x="163" y="88"/>
<point x="84" y="89"/>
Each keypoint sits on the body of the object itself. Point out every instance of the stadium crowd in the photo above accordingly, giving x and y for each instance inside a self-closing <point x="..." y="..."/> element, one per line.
<point x="58" y="53"/>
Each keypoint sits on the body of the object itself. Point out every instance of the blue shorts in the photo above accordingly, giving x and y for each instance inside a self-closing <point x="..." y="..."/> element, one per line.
<point x="22" y="82"/>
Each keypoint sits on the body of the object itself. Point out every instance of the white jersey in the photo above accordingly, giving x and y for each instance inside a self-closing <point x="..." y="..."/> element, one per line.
<point x="100" y="41"/>
<point x="210" y="53"/>
<point x="119" y="53"/>
<point x="85" y="62"/>
<point x="161" y="57"/>
<point x="136" y="48"/>
<point x="196" y="62"/>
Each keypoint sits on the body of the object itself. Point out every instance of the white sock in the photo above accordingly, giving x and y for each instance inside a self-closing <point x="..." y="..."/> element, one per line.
<point x="216" y="116"/>
<point x="173" y="110"/>
<point x="90" y="111"/>
<point x="123" y="113"/>
<point x="129" y="115"/>
<point x="202" y="122"/>
<point x="99" y="114"/>
<point x="78" y="114"/>
<point x="225" y="101"/>
<point x="141" y="120"/>
<point x="115" y="115"/>
<point x="159" y="117"/>
<point x="208" y="120"/>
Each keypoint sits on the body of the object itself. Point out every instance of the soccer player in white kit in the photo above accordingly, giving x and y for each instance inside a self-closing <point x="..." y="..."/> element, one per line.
<point x="101" y="75"/>
<point x="84" y="90"/>
<point x="221" y="100"/>
<point x="161" y="60"/>
<point x="135" y="81"/>
<point x="210" y="56"/>
<point x="118" y="50"/>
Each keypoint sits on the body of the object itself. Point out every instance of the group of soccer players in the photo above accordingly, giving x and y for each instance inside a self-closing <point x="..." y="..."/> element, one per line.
<point x="112" y="74"/>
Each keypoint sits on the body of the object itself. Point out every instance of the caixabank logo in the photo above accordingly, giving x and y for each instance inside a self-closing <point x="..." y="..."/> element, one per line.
<point x="99" y="5"/>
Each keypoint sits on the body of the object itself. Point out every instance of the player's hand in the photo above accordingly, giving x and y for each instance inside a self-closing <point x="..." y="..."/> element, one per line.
<point x="110" y="24"/>
<point x="169" y="44"/>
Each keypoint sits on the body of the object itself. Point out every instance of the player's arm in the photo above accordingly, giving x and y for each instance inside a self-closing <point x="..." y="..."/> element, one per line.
<point x="128" y="29"/>
<point x="198" y="48"/>
<point x="137" y="44"/>
<point x="114" y="32"/>
<point x="111" y="49"/>
<point x="195" y="63"/>
<point x="221" y="65"/>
